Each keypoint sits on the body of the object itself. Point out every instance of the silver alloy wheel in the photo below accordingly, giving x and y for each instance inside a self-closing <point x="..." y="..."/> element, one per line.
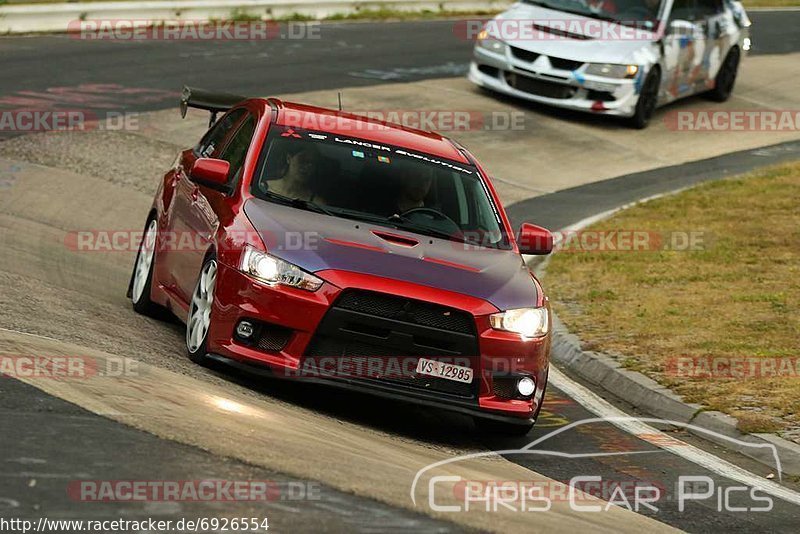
<point x="141" y="273"/>
<point x="200" y="308"/>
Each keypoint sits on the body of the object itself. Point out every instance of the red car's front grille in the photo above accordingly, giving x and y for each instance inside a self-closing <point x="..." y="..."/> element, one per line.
<point x="363" y="325"/>
<point x="413" y="311"/>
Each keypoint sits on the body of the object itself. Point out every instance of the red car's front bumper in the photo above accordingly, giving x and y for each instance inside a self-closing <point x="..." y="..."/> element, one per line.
<point x="296" y="327"/>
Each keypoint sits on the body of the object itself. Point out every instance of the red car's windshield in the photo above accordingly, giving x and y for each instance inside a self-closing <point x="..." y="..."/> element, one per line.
<point x="354" y="178"/>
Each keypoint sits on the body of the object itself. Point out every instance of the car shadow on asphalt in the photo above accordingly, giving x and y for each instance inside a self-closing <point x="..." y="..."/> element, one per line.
<point x="431" y="425"/>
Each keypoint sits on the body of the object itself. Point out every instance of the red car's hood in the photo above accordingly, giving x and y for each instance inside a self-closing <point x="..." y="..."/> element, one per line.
<point x="317" y="242"/>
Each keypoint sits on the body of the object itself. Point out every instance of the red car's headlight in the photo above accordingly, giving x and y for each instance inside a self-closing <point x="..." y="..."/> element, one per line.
<point x="271" y="271"/>
<point x="527" y="322"/>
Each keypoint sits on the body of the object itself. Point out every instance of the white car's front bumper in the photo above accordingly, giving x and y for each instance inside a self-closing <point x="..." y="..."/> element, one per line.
<point x="546" y="84"/>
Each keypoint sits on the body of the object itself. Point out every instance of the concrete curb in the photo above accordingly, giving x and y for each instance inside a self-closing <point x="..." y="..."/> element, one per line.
<point x="649" y="396"/>
<point x="33" y="18"/>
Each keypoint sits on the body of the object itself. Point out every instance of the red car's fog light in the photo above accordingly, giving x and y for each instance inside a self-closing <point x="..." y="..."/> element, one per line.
<point x="245" y="330"/>
<point x="262" y="336"/>
<point x="513" y="386"/>
<point x="526" y="386"/>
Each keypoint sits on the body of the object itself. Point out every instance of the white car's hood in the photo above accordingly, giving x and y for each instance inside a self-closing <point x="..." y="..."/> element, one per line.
<point x="625" y="45"/>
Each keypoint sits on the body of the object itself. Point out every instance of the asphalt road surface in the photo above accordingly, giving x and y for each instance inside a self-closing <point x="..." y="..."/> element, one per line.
<point x="345" y="55"/>
<point x="36" y="477"/>
<point x="36" y="473"/>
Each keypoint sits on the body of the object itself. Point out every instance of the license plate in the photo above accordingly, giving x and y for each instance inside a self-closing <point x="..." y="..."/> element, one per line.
<point x="448" y="371"/>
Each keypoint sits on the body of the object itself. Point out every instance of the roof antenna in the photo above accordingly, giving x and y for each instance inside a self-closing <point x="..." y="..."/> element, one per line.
<point x="340" y="100"/>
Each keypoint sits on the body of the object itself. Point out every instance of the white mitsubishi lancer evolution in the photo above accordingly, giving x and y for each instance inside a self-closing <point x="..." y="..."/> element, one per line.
<point x="613" y="57"/>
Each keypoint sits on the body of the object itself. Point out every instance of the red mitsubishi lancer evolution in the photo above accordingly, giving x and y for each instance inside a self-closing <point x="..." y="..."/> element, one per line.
<point x="334" y="248"/>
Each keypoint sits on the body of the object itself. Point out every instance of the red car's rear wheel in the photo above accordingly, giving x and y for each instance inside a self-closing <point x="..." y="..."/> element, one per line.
<point x="142" y="279"/>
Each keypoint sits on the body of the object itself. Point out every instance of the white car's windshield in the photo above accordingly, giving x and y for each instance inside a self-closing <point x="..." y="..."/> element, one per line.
<point x="354" y="178"/>
<point x="639" y="13"/>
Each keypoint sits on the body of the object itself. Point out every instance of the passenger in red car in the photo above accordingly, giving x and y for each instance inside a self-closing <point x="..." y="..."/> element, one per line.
<point x="416" y="184"/>
<point x="599" y="6"/>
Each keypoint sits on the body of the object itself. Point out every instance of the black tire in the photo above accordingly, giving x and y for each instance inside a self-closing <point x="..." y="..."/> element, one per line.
<point x="141" y="299"/>
<point x="196" y="346"/>
<point x="726" y="77"/>
<point x="648" y="99"/>
<point x="494" y="428"/>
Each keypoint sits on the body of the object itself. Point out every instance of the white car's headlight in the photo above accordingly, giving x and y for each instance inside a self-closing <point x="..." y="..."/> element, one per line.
<point x="610" y="70"/>
<point x="527" y="322"/>
<point x="491" y="44"/>
<point x="272" y="270"/>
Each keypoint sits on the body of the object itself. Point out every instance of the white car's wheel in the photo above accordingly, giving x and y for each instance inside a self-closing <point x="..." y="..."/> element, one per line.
<point x="726" y="77"/>
<point x="648" y="100"/>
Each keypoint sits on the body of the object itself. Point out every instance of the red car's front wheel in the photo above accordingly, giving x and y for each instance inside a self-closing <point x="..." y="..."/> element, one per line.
<point x="199" y="320"/>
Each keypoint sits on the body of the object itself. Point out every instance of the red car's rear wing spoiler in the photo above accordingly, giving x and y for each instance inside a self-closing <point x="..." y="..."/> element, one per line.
<point x="210" y="101"/>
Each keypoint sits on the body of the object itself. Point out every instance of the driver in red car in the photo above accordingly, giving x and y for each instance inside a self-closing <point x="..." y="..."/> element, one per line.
<point x="299" y="174"/>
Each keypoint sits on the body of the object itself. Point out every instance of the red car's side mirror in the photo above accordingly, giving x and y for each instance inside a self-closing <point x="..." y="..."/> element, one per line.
<point x="211" y="172"/>
<point x="534" y="240"/>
